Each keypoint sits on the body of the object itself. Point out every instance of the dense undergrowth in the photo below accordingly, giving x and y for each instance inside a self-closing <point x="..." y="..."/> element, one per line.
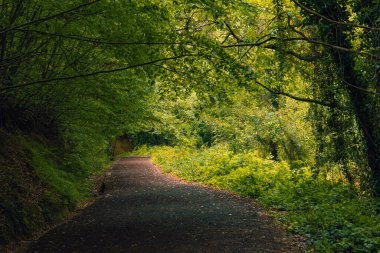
<point x="331" y="216"/>
<point x="37" y="185"/>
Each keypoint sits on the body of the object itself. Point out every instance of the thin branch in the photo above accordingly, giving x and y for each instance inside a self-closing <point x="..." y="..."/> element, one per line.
<point x="233" y="33"/>
<point x="263" y="37"/>
<point x="246" y="53"/>
<point x="292" y="53"/>
<point x="305" y="38"/>
<point x="273" y="47"/>
<point x="256" y="44"/>
<point x="226" y="38"/>
<point x="96" y="41"/>
<point x="362" y="89"/>
<point x="65" y="78"/>
<point x="196" y="29"/>
<point x="269" y="23"/>
<point x="308" y="100"/>
<point x="200" y="28"/>
<point x="333" y="21"/>
<point x="179" y="73"/>
<point x="41" y="20"/>
<point x="313" y="41"/>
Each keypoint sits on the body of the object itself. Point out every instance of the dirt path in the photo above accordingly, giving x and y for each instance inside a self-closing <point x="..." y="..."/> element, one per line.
<point x="146" y="211"/>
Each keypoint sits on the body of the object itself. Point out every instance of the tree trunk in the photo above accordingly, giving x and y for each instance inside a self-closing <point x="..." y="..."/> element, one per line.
<point x="364" y="107"/>
<point x="364" y="104"/>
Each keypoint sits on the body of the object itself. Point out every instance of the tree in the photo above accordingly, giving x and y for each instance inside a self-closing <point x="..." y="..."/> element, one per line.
<point x="340" y="36"/>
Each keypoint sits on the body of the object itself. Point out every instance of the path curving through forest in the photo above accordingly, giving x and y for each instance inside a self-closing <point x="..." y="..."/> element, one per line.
<point x="145" y="211"/>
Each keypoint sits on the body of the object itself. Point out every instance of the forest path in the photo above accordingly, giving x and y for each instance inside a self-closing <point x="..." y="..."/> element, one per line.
<point x="144" y="210"/>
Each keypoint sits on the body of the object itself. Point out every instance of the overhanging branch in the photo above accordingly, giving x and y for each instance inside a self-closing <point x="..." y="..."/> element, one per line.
<point x="41" y="20"/>
<point x="96" y="41"/>
<point x="95" y="73"/>
<point x="308" y="100"/>
<point x="340" y="48"/>
<point x="334" y="21"/>
<point x="306" y="39"/>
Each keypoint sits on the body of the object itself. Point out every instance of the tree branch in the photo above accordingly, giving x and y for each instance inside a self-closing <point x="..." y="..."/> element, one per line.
<point x="308" y="100"/>
<point x="313" y="41"/>
<point x="292" y="53"/>
<point x="305" y="38"/>
<point x="333" y="21"/>
<point x="238" y="39"/>
<point x="41" y="20"/>
<point x="256" y="44"/>
<point x="96" y="41"/>
<point x="65" y="78"/>
<point x="362" y="89"/>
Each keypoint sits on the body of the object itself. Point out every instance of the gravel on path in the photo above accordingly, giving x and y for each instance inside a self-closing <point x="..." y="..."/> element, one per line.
<point x="143" y="210"/>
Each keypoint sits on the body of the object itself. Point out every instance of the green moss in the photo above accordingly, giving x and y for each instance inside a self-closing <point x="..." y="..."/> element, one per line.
<point x="70" y="188"/>
<point x="41" y="185"/>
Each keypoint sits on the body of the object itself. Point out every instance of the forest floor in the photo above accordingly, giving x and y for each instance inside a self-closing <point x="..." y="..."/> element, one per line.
<point x="143" y="210"/>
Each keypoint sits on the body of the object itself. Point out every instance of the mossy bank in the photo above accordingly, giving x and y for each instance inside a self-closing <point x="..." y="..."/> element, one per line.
<point x="40" y="185"/>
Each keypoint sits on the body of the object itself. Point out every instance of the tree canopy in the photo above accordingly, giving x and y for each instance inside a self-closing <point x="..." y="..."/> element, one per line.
<point x="290" y="80"/>
<point x="93" y="70"/>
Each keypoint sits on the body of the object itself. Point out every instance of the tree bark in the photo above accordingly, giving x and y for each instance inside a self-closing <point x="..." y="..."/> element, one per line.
<point x="364" y="107"/>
